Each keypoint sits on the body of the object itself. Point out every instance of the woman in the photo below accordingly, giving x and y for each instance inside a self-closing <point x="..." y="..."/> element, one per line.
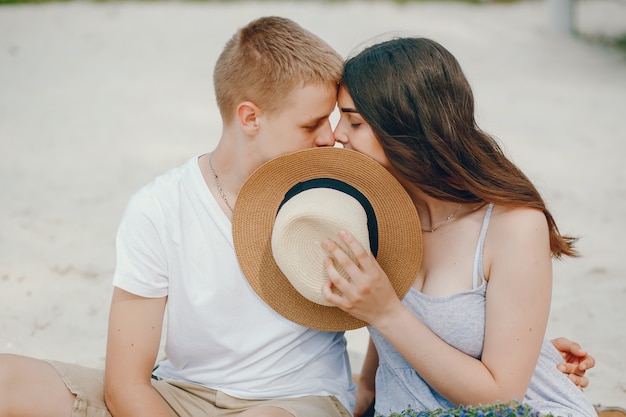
<point x="472" y="328"/>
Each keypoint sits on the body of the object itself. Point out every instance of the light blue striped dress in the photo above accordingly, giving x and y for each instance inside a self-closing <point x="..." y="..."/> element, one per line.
<point x="459" y="319"/>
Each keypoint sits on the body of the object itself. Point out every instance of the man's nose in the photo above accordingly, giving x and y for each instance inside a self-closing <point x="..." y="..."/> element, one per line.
<point x="326" y="136"/>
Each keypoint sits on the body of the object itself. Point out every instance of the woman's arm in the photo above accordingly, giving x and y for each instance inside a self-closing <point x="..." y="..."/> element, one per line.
<point x="132" y="347"/>
<point x="519" y="267"/>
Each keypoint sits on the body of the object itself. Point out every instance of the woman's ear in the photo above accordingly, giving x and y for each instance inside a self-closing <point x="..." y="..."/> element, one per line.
<point x="247" y="114"/>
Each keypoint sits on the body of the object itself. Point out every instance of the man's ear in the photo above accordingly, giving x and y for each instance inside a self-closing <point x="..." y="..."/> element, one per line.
<point x="247" y="114"/>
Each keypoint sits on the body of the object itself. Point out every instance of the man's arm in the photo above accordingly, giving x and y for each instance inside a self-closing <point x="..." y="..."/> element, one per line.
<point x="366" y="385"/>
<point x="132" y="347"/>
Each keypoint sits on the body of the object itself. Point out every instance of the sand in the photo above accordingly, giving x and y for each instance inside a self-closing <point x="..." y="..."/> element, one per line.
<point x="97" y="99"/>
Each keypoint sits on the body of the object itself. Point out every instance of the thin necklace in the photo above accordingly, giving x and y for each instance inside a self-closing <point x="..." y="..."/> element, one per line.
<point x="217" y="182"/>
<point x="450" y="216"/>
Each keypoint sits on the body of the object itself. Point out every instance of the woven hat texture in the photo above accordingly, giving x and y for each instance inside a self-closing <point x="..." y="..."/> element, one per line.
<point x="310" y="195"/>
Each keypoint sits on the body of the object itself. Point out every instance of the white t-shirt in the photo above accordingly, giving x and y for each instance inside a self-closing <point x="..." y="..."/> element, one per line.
<point x="175" y="241"/>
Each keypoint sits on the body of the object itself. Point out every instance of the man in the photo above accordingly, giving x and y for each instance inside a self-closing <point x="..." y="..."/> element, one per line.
<point x="276" y="86"/>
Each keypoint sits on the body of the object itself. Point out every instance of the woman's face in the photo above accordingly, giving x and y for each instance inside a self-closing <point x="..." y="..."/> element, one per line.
<point x="353" y="132"/>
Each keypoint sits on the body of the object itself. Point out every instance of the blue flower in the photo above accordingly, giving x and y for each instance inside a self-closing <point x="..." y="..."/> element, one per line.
<point x="509" y="409"/>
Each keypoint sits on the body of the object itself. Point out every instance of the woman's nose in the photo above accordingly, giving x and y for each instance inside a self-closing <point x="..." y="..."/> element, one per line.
<point x="339" y="136"/>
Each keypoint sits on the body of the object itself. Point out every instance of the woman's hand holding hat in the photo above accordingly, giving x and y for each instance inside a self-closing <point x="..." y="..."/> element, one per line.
<point x="368" y="294"/>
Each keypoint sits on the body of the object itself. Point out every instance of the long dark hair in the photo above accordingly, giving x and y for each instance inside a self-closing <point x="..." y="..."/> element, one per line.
<point x="413" y="93"/>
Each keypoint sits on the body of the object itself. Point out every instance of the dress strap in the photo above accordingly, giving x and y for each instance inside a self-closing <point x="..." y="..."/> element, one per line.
<point x="478" y="258"/>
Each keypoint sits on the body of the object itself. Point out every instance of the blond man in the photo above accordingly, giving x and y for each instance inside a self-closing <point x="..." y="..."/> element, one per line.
<point x="229" y="354"/>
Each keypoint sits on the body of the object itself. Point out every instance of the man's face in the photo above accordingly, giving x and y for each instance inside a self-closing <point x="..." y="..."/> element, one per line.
<point x="302" y="123"/>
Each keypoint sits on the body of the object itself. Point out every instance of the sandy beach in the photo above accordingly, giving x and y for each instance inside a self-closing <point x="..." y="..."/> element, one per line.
<point x="96" y="99"/>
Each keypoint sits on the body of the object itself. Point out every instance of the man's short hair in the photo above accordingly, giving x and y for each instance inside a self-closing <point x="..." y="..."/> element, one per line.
<point x="267" y="59"/>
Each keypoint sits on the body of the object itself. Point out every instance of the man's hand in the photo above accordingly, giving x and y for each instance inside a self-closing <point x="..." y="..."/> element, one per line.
<point x="577" y="361"/>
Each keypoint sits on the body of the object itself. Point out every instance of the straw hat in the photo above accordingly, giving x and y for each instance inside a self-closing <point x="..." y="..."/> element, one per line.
<point x="292" y="203"/>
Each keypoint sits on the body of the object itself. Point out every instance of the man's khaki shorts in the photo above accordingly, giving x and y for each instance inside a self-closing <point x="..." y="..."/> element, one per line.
<point x="185" y="399"/>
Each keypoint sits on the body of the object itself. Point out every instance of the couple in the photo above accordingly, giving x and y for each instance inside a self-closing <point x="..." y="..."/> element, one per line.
<point x="406" y="104"/>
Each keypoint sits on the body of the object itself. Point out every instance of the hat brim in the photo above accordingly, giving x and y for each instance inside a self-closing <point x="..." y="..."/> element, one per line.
<point x="399" y="231"/>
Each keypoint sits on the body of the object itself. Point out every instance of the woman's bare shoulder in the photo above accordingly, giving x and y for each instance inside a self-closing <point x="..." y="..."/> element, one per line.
<point x="515" y="227"/>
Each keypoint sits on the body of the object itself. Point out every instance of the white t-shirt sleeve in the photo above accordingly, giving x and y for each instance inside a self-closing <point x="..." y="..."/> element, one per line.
<point x="141" y="267"/>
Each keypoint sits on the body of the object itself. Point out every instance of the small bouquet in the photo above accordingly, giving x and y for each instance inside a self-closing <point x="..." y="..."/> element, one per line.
<point x="508" y="409"/>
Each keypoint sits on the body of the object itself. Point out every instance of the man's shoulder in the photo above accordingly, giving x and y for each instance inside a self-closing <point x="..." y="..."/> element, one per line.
<point x="164" y="190"/>
<point x="170" y="179"/>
